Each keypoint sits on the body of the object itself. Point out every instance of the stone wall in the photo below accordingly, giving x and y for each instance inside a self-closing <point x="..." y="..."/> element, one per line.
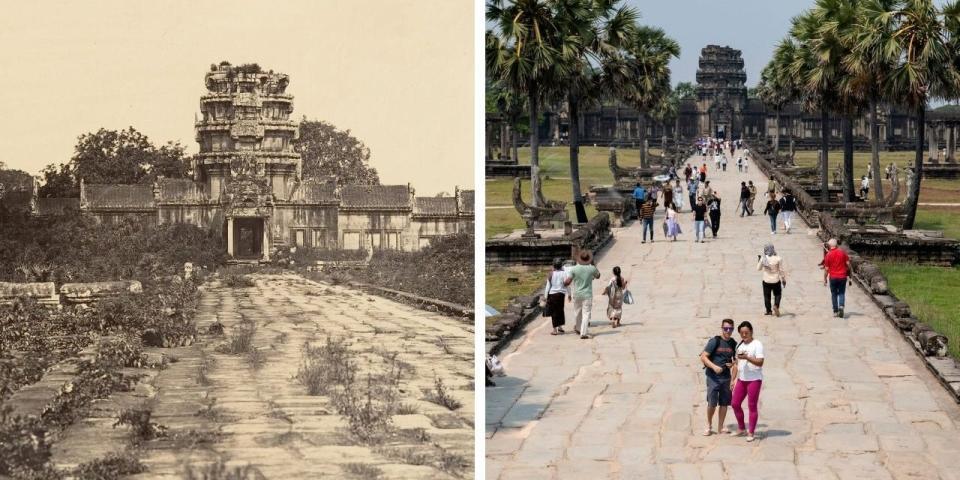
<point x="69" y="293"/>
<point x="593" y="235"/>
<point x="42" y="292"/>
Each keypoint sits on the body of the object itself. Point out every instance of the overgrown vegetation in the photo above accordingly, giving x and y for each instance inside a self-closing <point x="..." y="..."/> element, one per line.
<point x="441" y="396"/>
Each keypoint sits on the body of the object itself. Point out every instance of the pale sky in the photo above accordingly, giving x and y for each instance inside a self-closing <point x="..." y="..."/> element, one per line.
<point x="397" y="73"/>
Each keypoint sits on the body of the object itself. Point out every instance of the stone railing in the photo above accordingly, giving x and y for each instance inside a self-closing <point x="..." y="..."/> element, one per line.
<point x="44" y="293"/>
<point x="929" y="345"/>
<point x="887" y="243"/>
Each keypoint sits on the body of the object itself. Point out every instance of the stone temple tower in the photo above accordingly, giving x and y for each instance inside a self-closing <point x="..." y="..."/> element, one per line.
<point x="721" y="92"/>
<point x="246" y="130"/>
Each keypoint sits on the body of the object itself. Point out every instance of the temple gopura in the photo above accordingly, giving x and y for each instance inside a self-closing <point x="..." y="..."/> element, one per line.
<point x="248" y="184"/>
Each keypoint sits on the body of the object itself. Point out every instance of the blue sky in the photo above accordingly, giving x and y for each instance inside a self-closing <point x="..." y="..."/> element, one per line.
<point x="752" y="26"/>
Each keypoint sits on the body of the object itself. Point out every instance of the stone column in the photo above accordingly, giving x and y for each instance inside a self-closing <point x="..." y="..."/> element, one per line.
<point x="230" y="236"/>
<point x="265" y="246"/>
<point x="932" y="137"/>
<point x="951" y="144"/>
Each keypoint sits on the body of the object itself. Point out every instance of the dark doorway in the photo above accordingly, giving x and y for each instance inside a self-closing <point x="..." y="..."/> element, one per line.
<point x="722" y="132"/>
<point x="248" y="238"/>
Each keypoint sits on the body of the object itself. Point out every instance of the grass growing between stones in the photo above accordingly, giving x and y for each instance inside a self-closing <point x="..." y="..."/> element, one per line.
<point x="933" y="294"/>
<point x="362" y="471"/>
<point x="441" y="396"/>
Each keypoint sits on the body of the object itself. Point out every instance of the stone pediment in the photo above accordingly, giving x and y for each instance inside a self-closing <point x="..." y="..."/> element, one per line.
<point x="248" y="196"/>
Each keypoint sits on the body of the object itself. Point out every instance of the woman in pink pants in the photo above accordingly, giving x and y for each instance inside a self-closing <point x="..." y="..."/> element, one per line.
<point x="749" y="374"/>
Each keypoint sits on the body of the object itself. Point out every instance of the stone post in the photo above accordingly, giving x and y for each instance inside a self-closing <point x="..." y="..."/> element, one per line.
<point x="932" y="136"/>
<point x="230" y="236"/>
<point x="951" y="144"/>
<point x="265" y="246"/>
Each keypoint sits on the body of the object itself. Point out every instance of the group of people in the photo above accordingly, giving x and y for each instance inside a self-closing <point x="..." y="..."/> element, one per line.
<point x="733" y="369"/>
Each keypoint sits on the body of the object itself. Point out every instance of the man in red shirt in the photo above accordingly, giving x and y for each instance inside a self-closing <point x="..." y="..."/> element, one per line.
<point x="836" y="269"/>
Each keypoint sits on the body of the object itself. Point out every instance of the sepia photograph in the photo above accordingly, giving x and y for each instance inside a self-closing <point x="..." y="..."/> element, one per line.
<point x="237" y="240"/>
<point x="722" y="239"/>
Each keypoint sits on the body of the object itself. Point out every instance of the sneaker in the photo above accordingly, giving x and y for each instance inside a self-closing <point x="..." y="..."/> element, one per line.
<point x="768" y="313"/>
<point x="840" y="313"/>
<point x="584" y="337"/>
<point x="644" y="241"/>
<point x="776" y="311"/>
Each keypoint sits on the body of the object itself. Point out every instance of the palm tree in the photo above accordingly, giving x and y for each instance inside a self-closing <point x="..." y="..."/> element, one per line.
<point x="522" y="53"/>
<point x="927" y="69"/>
<point x="650" y="51"/>
<point x="816" y="66"/>
<point x="594" y="32"/>
<point x="875" y="52"/>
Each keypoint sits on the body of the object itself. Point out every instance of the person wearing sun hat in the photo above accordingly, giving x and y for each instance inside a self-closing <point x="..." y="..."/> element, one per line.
<point x="582" y="276"/>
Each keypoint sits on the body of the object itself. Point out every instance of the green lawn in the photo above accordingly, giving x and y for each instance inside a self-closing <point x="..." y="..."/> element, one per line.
<point x="555" y="171"/>
<point x="933" y="294"/>
<point x="500" y="290"/>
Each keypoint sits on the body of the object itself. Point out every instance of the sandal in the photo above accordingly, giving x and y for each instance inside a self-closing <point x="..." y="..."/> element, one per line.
<point x="738" y="433"/>
<point x="750" y="438"/>
<point x="724" y="431"/>
<point x="708" y="432"/>
<point x="554" y="333"/>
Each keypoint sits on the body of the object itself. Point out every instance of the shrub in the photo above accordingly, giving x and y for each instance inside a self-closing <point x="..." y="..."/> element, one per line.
<point x="112" y="467"/>
<point x="440" y="396"/>
<point x="327" y="366"/>
<point x="362" y="471"/>
<point x="23" y="442"/>
<point x="141" y="426"/>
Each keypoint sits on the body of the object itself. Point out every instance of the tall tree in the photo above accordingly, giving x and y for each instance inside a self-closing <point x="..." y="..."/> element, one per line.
<point x="327" y="151"/>
<point x="111" y="156"/>
<point x="650" y="52"/>
<point x="874" y="54"/>
<point x="522" y="52"/>
<point x="927" y="69"/>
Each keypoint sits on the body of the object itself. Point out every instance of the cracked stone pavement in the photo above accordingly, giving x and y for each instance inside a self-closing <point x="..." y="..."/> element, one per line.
<point x="841" y="398"/>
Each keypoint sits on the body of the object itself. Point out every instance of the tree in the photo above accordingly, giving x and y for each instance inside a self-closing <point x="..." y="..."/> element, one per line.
<point x="111" y="156"/>
<point x="874" y="55"/>
<point x="927" y="69"/>
<point x="596" y="32"/>
<point x="650" y="52"/>
<point x="522" y="53"/>
<point x="329" y="152"/>
<point x="681" y="92"/>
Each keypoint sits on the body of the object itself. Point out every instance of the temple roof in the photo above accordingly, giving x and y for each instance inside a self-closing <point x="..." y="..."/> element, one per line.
<point x="127" y="197"/>
<point x="435" y="206"/>
<point x="949" y="113"/>
<point x="375" y="197"/>
<point x="57" y="206"/>
<point x="181" y="190"/>
<point x="314" y="190"/>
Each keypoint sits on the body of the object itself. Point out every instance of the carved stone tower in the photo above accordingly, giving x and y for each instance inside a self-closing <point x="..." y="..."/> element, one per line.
<point x="721" y="92"/>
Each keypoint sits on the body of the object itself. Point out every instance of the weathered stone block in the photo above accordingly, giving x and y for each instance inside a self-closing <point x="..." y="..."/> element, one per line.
<point x="932" y="343"/>
<point x="90" y="292"/>
<point x="43" y="292"/>
<point x="901" y="309"/>
<point x="905" y="323"/>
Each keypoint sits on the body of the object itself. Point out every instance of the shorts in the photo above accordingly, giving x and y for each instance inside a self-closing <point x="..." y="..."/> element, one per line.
<point x="718" y="391"/>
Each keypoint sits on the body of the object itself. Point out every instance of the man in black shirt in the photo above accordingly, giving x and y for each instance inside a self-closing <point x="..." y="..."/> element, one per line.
<point x="717" y="358"/>
<point x="788" y="204"/>
<point x="744" y="199"/>
<point x="699" y="212"/>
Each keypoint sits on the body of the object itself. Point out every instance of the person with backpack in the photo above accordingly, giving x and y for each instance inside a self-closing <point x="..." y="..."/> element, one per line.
<point x="748" y="372"/>
<point x="713" y="206"/>
<point x="774" y="278"/>
<point x="788" y="205"/>
<point x="717" y="358"/>
<point x="555" y="292"/>
<point x="614" y="293"/>
<point x="772" y="210"/>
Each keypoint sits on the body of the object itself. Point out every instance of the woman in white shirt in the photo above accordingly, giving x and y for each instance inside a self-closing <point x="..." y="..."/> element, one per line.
<point x="555" y="291"/>
<point x="748" y="372"/>
<point x="774" y="278"/>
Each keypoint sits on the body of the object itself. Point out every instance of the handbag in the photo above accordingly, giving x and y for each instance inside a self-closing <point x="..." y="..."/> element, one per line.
<point x="665" y="229"/>
<point x="628" y="297"/>
<point x="544" y="304"/>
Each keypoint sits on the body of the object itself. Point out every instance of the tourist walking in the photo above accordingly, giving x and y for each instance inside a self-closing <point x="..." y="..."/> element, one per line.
<point x="723" y="162"/>
<point x="707" y="193"/>
<point x="555" y="292"/>
<point x="740" y="164"/>
<point x="774" y="278"/>
<point x="692" y="191"/>
<point x="864" y="187"/>
<point x="639" y="196"/>
<point x="788" y="205"/>
<point x="646" y="216"/>
<point x="713" y="207"/>
<point x="582" y="276"/>
<point x="673" y="225"/>
<point x="614" y="293"/>
<point x="753" y="195"/>
<point x="667" y="192"/>
<point x="699" y="214"/>
<point x="744" y="199"/>
<point x="717" y="358"/>
<point x="749" y="375"/>
<point x="772" y="210"/>
<point x="836" y="271"/>
<point x="678" y="196"/>
<point x="687" y="173"/>
<point x="703" y="172"/>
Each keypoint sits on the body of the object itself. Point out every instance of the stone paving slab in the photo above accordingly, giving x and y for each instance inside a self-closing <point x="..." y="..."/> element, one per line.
<point x="842" y="398"/>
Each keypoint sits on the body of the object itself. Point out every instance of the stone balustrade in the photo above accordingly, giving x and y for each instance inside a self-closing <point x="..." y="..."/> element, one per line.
<point x="43" y="292"/>
<point x="82" y="293"/>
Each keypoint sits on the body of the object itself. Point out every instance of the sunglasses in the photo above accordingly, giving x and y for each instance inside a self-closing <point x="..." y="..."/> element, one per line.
<point x="727" y="329"/>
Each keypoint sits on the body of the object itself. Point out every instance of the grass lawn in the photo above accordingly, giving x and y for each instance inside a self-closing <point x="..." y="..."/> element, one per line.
<point x="933" y="294"/>
<point x="555" y="171"/>
<point x="500" y="290"/>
